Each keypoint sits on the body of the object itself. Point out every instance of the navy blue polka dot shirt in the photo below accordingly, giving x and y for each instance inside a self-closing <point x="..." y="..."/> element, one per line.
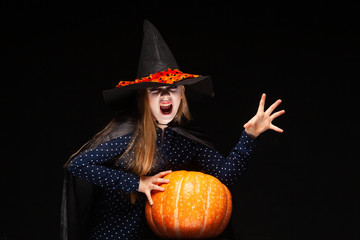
<point x="116" y="217"/>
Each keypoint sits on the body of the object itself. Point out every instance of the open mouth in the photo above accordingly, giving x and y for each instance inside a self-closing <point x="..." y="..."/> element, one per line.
<point x="166" y="108"/>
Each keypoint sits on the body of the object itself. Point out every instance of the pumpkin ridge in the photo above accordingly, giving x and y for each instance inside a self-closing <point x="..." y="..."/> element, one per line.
<point x="165" y="213"/>
<point x="228" y="211"/>
<point x="162" y="211"/>
<point x="224" y="217"/>
<point x="177" y="225"/>
<point x="206" y="211"/>
<point x="152" y="219"/>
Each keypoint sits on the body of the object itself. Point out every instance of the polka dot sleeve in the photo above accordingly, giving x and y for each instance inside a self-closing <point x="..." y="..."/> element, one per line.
<point x="88" y="166"/>
<point x="227" y="170"/>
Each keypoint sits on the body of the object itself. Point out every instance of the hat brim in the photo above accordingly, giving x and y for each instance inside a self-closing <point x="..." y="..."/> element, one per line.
<point x="116" y="96"/>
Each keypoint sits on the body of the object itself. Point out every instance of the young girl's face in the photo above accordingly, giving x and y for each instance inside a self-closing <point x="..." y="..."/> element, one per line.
<point x="164" y="102"/>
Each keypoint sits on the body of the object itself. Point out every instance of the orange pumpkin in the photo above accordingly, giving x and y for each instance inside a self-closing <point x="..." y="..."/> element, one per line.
<point x="194" y="205"/>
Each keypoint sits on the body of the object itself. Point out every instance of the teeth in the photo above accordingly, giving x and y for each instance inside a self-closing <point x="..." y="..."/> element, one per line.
<point x="165" y="105"/>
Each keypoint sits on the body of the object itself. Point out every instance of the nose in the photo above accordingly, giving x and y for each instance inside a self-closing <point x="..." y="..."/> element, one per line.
<point x="164" y="91"/>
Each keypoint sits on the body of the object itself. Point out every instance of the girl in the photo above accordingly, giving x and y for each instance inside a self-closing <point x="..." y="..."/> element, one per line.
<point x="129" y="157"/>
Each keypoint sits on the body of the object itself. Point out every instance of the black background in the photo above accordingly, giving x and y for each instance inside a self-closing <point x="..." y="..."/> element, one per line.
<point x="301" y="184"/>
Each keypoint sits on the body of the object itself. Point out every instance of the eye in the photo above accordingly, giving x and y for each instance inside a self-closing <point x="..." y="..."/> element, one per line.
<point x="153" y="90"/>
<point x="173" y="88"/>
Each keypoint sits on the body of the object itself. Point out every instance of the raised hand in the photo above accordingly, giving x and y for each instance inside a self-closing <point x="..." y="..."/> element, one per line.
<point x="149" y="183"/>
<point x="262" y="121"/>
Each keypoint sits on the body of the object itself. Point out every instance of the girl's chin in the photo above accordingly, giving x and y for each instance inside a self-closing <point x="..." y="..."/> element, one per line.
<point x="165" y="120"/>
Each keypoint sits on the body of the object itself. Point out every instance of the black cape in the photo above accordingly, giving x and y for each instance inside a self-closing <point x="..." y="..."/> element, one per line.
<point x="79" y="197"/>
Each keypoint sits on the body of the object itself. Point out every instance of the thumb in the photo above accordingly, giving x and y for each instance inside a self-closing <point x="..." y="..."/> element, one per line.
<point x="148" y="195"/>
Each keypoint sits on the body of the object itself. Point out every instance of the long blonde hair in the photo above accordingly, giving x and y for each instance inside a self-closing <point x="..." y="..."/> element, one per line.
<point x="143" y="143"/>
<point x="144" y="140"/>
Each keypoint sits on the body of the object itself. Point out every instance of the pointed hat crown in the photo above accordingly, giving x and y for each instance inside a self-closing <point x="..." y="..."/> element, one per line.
<point x="157" y="67"/>
<point x="155" y="55"/>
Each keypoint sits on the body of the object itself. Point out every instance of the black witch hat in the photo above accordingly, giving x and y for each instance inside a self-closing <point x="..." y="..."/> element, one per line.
<point x="157" y="67"/>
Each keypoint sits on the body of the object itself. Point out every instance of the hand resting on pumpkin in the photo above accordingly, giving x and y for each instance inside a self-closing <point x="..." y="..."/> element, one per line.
<point x="149" y="183"/>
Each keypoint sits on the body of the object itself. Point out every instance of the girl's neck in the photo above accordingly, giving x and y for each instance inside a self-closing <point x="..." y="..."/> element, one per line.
<point x="162" y="125"/>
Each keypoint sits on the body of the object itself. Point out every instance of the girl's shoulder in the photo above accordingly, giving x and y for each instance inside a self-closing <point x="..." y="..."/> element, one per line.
<point x="194" y="133"/>
<point x="123" y="131"/>
<point x="119" y="138"/>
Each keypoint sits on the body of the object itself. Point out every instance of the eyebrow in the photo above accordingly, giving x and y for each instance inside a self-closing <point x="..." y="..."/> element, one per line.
<point x="162" y="87"/>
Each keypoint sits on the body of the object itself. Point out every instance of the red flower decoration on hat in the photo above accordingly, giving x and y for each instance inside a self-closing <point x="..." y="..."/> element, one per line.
<point x="169" y="76"/>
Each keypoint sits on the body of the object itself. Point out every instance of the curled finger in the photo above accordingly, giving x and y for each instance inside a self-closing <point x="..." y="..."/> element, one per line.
<point x="157" y="187"/>
<point x="162" y="174"/>
<point x="161" y="180"/>
<point x="148" y="195"/>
